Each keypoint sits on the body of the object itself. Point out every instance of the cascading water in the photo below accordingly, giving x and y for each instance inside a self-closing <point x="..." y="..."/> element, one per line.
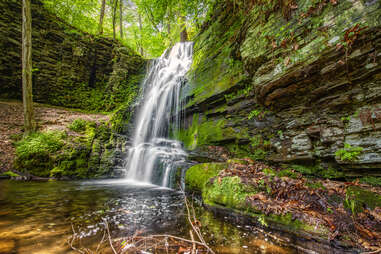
<point x="153" y="156"/>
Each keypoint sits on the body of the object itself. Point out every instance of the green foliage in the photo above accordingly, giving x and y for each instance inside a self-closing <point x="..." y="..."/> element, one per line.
<point x="262" y="220"/>
<point x="345" y="118"/>
<point x="374" y="181"/>
<point x="349" y="153"/>
<point x="78" y="125"/>
<point x="254" y="113"/>
<point x="150" y="26"/>
<point x="82" y="14"/>
<point x="358" y="198"/>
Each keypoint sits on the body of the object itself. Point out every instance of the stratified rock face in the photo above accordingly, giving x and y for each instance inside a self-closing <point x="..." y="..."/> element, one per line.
<point x="71" y="68"/>
<point x="290" y="84"/>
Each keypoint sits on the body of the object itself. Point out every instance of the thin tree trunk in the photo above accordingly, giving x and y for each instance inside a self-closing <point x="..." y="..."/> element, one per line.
<point x="115" y="4"/>
<point x="121" y="18"/>
<point x="27" y="67"/>
<point x="101" y="16"/>
<point x="140" y="34"/>
<point x="169" y="18"/>
<point x="183" y="33"/>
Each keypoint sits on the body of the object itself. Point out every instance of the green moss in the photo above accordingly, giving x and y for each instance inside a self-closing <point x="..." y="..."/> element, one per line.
<point x="204" y="133"/>
<point x="315" y="185"/>
<point x="374" y="181"/>
<point x="197" y="176"/>
<point x="358" y="198"/>
<point x="289" y="173"/>
<point x="35" y="153"/>
<point x="78" y="125"/>
<point x="55" y="154"/>
<point x="228" y="191"/>
<point x="9" y="174"/>
<point x="40" y="143"/>
<point x="121" y="117"/>
<point x="106" y="96"/>
<point x="318" y="170"/>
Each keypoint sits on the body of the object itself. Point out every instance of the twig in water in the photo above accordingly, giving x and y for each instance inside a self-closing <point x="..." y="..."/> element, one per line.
<point x="372" y="252"/>
<point x="193" y="245"/>
<point x="109" y="236"/>
<point x="72" y="240"/>
<point x="196" y="229"/>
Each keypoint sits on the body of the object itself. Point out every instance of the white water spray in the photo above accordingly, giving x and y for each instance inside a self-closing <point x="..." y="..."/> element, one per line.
<point x="153" y="155"/>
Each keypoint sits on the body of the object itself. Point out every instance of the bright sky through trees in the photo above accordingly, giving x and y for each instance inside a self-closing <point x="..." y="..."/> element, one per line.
<point x="149" y="26"/>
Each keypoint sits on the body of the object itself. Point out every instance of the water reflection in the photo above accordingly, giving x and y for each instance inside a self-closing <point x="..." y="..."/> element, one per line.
<point x="38" y="217"/>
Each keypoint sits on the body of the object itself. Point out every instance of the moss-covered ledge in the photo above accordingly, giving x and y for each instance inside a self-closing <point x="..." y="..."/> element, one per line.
<point x="331" y="212"/>
<point x="82" y="149"/>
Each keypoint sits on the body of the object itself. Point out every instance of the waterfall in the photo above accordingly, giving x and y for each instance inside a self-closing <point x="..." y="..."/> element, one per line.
<point x="153" y="156"/>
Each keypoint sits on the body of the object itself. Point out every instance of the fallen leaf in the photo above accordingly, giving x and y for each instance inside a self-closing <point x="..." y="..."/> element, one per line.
<point x="339" y="46"/>
<point x="273" y="43"/>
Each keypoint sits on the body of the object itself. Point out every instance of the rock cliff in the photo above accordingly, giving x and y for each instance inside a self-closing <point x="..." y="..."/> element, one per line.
<point x="70" y="68"/>
<point x="296" y="83"/>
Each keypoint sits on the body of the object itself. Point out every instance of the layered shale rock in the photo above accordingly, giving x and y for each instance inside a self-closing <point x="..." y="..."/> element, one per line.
<point x="295" y="84"/>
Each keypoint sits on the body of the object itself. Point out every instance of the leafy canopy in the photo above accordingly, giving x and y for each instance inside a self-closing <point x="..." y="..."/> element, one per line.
<point x="149" y="26"/>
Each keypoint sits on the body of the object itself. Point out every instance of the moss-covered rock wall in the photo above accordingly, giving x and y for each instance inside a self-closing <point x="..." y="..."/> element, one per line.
<point x="70" y="68"/>
<point x="294" y="82"/>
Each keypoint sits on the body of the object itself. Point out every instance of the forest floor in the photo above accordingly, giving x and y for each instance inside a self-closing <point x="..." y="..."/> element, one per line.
<point x="47" y="118"/>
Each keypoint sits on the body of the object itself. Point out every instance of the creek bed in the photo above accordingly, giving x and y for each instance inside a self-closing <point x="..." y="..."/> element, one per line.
<point x="39" y="217"/>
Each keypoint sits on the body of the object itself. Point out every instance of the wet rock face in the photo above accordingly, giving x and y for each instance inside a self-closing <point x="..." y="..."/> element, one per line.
<point x="302" y="89"/>
<point x="69" y="65"/>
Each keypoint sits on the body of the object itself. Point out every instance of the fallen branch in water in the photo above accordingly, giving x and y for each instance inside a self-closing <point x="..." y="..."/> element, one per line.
<point x="164" y="243"/>
<point x="156" y="243"/>
<point x="83" y="250"/>
<point x="372" y="252"/>
<point x="194" y="223"/>
<point x="109" y="236"/>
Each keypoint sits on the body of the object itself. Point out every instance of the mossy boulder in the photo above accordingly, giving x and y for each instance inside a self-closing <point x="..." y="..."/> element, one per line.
<point x="197" y="176"/>
<point x="89" y="152"/>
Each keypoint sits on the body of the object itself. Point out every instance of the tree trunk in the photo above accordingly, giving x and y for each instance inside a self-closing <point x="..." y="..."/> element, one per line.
<point x="27" y="67"/>
<point x="183" y="33"/>
<point x="115" y="4"/>
<point x="140" y="34"/>
<point x="169" y="18"/>
<point x="101" y="16"/>
<point x="121" y="18"/>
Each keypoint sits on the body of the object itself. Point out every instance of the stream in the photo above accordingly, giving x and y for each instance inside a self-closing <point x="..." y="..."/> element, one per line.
<point x="39" y="217"/>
